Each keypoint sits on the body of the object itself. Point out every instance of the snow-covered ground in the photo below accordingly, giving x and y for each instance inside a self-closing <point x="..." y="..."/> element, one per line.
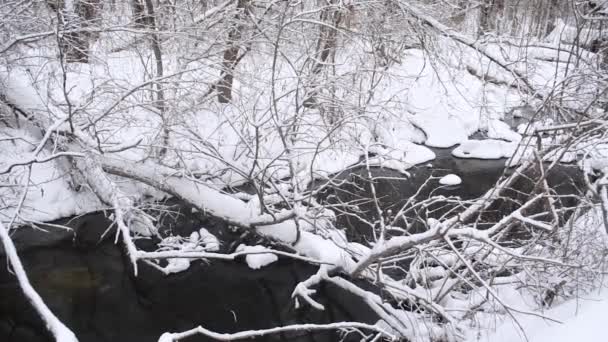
<point x="413" y="105"/>
<point x="581" y="320"/>
<point x="419" y="103"/>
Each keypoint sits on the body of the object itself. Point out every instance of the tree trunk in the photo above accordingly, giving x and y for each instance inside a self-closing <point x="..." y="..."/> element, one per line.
<point x="147" y="20"/>
<point x="552" y="15"/>
<point x="326" y="45"/>
<point x="150" y="23"/>
<point x="490" y="13"/>
<point x="231" y="54"/>
<point x="140" y="18"/>
<point x="74" y="16"/>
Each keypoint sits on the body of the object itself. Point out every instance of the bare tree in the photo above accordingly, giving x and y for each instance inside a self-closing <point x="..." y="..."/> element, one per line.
<point x="317" y="80"/>
<point x="75" y="17"/>
<point x="231" y="56"/>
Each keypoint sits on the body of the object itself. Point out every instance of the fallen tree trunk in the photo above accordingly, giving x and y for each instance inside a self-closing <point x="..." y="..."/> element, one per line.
<point x="280" y="227"/>
<point x="200" y="196"/>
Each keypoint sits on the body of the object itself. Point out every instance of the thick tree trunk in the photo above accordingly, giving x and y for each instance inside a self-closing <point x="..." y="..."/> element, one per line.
<point x="74" y="16"/>
<point x="140" y="18"/>
<point x="490" y="14"/>
<point x="231" y="54"/>
<point x="551" y="17"/>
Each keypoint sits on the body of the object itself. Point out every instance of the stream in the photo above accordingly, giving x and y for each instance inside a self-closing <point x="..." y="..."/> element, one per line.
<point x="87" y="282"/>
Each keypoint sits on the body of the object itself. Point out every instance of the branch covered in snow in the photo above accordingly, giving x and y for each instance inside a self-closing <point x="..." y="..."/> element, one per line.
<point x="60" y="332"/>
<point x="171" y="337"/>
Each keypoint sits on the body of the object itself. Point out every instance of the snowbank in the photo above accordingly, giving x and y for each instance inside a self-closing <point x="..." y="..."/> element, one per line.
<point x="582" y="320"/>
<point x="450" y="179"/>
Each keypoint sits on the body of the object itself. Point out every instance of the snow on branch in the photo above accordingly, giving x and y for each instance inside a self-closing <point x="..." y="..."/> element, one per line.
<point x="200" y="196"/>
<point x="412" y="10"/>
<point x="438" y="229"/>
<point x="171" y="337"/>
<point x="278" y="226"/>
<point x="126" y="215"/>
<point x="38" y="160"/>
<point x="60" y="332"/>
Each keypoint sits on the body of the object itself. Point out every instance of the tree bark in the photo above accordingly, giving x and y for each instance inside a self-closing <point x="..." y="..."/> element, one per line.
<point x="73" y="16"/>
<point x="150" y="23"/>
<point x="139" y="14"/>
<point x="231" y="54"/>
<point x="326" y="45"/>
<point x="490" y="13"/>
<point x="145" y="17"/>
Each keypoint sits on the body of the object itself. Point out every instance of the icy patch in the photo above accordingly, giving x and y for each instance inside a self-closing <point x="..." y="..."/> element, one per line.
<point x="450" y="179"/>
<point x="393" y="164"/>
<point x="176" y="265"/>
<point x="258" y="258"/>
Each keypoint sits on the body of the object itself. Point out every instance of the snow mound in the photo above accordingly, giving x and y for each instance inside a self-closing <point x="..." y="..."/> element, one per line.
<point x="258" y="258"/>
<point x="583" y="320"/>
<point x="485" y="149"/>
<point x="201" y="241"/>
<point x="208" y="240"/>
<point x="441" y="131"/>
<point x="400" y="156"/>
<point x="450" y="179"/>
<point x="498" y="129"/>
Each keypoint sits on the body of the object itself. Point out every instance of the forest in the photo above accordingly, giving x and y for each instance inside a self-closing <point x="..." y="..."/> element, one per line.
<point x="303" y="170"/>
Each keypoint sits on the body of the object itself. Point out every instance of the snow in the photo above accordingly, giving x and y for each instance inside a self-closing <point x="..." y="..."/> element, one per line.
<point x="257" y="259"/>
<point x="583" y="320"/>
<point x="59" y="331"/>
<point x="414" y="106"/>
<point x="50" y="192"/>
<point x="198" y="241"/>
<point x="441" y="131"/>
<point x="209" y="241"/>
<point x="568" y="34"/>
<point x="422" y="100"/>
<point x="485" y="149"/>
<point x="450" y="179"/>
<point x="403" y="151"/>
<point x="310" y="244"/>
<point x="596" y="157"/>
<point x="579" y="311"/>
<point x="498" y="129"/>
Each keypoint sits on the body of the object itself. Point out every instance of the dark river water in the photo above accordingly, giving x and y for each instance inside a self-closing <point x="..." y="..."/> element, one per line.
<point x="85" y="278"/>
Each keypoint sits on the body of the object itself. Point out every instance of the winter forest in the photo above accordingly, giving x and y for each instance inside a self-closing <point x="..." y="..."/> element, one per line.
<point x="303" y="170"/>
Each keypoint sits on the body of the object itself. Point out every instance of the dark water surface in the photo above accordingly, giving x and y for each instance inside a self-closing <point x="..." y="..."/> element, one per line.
<point x="87" y="281"/>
